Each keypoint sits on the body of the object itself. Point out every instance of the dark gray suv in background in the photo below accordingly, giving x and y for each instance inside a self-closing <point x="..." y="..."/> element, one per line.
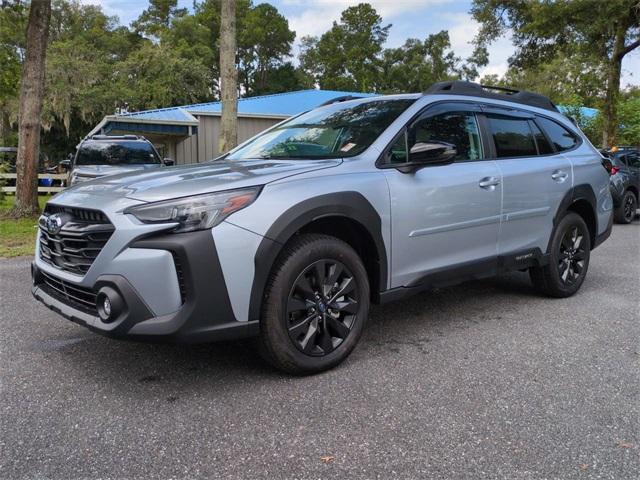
<point x="102" y="155"/>
<point x="625" y="183"/>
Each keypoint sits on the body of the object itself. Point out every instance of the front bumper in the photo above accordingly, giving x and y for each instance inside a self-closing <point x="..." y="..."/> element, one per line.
<point x="205" y="314"/>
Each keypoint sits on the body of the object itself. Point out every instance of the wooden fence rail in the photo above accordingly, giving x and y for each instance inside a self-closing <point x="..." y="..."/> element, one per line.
<point x="41" y="189"/>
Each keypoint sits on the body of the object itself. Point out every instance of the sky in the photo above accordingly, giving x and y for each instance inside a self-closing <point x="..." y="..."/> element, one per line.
<point x="410" y="19"/>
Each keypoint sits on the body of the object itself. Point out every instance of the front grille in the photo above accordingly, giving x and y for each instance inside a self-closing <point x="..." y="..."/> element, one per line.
<point x="75" y="296"/>
<point x="82" y="237"/>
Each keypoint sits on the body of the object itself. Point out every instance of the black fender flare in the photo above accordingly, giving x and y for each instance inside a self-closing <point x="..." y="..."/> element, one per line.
<point x="577" y="192"/>
<point x="350" y="204"/>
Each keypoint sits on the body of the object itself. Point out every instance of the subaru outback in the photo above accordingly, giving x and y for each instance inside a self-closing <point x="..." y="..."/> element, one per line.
<point x="293" y="234"/>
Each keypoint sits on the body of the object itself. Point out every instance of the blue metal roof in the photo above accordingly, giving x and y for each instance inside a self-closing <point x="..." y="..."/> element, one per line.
<point x="278" y="105"/>
<point x="171" y="114"/>
<point x="586" y="112"/>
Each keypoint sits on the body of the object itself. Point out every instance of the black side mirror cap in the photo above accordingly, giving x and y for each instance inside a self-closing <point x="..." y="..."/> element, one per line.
<point x="423" y="154"/>
<point x="168" y="162"/>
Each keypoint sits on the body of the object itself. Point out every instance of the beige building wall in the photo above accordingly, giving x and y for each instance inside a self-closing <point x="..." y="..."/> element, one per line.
<point x="203" y="146"/>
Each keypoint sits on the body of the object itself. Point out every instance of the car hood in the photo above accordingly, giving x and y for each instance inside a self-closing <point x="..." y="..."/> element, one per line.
<point x="173" y="182"/>
<point x="102" y="170"/>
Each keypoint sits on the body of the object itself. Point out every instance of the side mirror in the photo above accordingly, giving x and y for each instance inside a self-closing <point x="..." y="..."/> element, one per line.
<point x="168" y="162"/>
<point x="66" y="163"/>
<point x="432" y="153"/>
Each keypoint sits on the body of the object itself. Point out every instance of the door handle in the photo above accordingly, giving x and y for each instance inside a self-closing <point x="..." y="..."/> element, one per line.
<point x="489" y="183"/>
<point x="559" y="176"/>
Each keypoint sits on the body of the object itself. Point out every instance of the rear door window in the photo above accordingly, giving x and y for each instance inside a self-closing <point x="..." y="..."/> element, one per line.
<point x="633" y="160"/>
<point x="544" y="147"/>
<point x="512" y="136"/>
<point x="561" y="138"/>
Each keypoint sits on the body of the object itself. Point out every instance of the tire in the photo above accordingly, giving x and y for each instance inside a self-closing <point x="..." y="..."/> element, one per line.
<point x="626" y="211"/>
<point x="568" y="260"/>
<point x="304" y="333"/>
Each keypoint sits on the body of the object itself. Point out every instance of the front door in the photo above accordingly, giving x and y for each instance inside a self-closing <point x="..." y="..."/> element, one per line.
<point x="443" y="217"/>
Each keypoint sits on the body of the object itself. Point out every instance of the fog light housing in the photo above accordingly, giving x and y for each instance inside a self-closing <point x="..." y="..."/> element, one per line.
<point x="109" y="304"/>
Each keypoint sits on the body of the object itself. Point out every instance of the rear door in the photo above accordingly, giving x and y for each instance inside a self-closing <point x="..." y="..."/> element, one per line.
<point x="535" y="176"/>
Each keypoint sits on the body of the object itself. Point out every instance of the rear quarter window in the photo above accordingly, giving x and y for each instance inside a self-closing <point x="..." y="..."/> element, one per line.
<point x="561" y="138"/>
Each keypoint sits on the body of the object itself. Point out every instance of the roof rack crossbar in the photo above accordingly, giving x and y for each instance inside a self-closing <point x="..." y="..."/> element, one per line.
<point x="460" y="87"/>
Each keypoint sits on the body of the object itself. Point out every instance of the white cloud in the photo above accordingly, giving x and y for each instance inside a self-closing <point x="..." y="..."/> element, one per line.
<point x="317" y="16"/>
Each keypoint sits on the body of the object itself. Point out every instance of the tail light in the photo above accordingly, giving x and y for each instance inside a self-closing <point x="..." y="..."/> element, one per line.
<point x="614" y="170"/>
<point x="608" y="166"/>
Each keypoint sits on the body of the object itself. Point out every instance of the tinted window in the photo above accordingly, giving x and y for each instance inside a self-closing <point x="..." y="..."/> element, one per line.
<point x="120" y="152"/>
<point x="456" y="128"/>
<point x="512" y="137"/>
<point x="633" y="160"/>
<point x="544" y="147"/>
<point x="561" y="138"/>
<point x="338" y="130"/>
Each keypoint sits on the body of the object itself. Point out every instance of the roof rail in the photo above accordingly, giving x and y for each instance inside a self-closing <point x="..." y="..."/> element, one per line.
<point x="344" y="98"/>
<point x="459" y="87"/>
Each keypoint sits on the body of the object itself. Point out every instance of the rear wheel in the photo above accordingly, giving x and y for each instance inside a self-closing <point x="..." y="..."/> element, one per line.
<point x="568" y="261"/>
<point x="626" y="211"/>
<point x="316" y="305"/>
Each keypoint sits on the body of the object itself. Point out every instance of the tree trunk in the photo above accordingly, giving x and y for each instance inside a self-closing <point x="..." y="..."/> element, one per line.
<point x="31" y="98"/>
<point x="614" y="68"/>
<point x="228" y="77"/>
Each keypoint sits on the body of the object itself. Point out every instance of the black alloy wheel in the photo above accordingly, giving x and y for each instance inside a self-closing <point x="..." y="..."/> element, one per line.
<point x="569" y="254"/>
<point x="572" y="256"/>
<point x="629" y="208"/>
<point x="322" y="307"/>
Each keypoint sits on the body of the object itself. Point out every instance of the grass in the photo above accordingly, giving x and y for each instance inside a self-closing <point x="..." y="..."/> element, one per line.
<point x="17" y="236"/>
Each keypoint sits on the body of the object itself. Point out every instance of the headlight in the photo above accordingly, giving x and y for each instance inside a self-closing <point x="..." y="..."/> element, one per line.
<point x="197" y="212"/>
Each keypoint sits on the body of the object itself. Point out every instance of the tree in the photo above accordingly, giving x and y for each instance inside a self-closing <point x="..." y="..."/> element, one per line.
<point x="13" y="17"/>
<point x="629" y="115"/>
<point x="31" y="98"/>
<point x="598" y="34"/>
<point x="229" y="77"/>
<point x="264" y="41"/>
<point x="156" y="19"/>
<point x="416" y="65"/>
<point x="347" y="56"/>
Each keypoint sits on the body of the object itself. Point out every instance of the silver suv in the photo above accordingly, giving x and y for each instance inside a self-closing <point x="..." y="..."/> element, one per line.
<point x="291" y="236"/>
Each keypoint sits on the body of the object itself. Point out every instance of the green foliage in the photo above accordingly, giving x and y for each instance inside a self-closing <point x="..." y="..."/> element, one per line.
<point x="565" y="47"/>
<point x="416" y="65"/>
<point x="629" y="118"/>
<point x="347" y="56"/>
<point x="156" y="19"/>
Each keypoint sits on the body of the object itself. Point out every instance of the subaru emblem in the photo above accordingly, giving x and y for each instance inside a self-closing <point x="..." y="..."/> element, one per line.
<point x="54" y="224"/>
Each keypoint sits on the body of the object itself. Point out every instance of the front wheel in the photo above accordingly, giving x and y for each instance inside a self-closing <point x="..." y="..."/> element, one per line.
<point x="626" y="211"/>
<point x="316" y="305"/>
<point x="568" y="261"/>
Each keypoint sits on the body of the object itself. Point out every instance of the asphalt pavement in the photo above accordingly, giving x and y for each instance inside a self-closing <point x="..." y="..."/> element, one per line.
<point x="482" y="380"/>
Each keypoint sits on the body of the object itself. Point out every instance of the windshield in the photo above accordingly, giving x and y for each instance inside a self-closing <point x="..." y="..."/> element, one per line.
<point x="337" y="130"/>
<point x="116" y="153"/>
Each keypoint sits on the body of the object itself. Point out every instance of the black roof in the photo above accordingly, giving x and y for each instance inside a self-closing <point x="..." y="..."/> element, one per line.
<point x="459" y="87"/>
